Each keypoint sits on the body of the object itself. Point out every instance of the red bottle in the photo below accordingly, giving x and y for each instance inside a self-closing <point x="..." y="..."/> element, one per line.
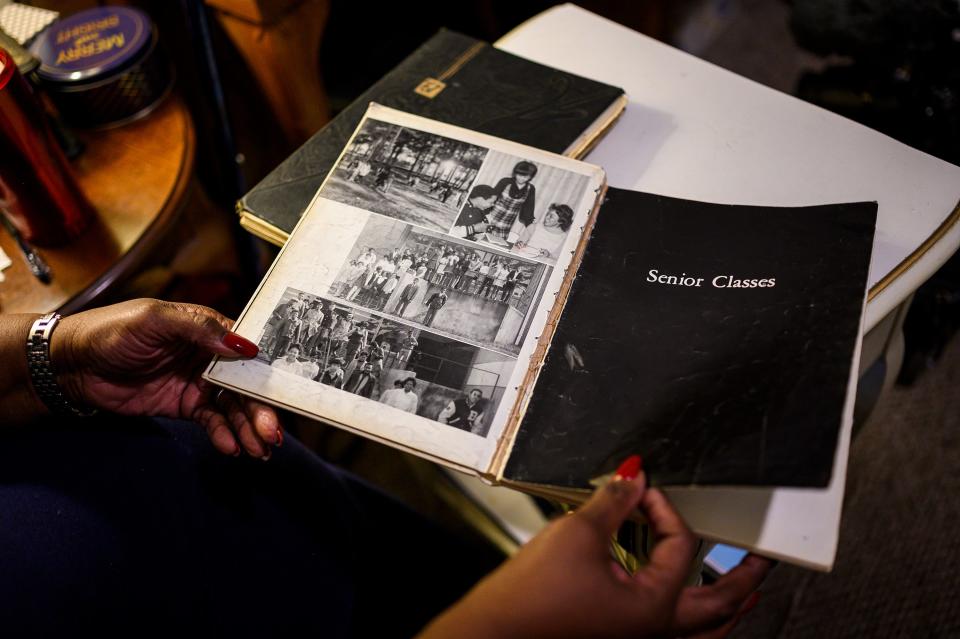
<point x="37" y="188"/>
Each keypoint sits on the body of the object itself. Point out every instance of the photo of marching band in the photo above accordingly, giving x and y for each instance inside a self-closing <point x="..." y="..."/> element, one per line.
<point x="406" y="174"/>
<point x="382" y="360"/>
<point x="438" y="282"/>
<point x="524" y="207"/>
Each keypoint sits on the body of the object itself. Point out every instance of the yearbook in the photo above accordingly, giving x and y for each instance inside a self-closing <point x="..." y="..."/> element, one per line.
<point x="455" y="79"/>
<point x="500" y="310"/>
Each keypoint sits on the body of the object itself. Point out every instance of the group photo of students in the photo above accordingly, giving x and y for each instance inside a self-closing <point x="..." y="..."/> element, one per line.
<point x="385" y="361"/>
<point x="441" y="283"/>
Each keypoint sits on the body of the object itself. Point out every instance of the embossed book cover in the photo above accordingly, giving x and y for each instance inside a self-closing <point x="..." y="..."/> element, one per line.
<point x="496" y="308"/>
<point x="455" y="79"/>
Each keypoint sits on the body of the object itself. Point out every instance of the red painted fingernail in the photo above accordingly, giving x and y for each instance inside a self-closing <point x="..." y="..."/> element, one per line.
<point x="241" y="345"/>
<point x="279" y="436"/>
<point x="629" y="469"/>
<point x="236" y="450"/>
<point x="751" y="603"/>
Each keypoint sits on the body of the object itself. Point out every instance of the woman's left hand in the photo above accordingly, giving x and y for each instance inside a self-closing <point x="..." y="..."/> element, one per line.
<point x="146" y="357"/>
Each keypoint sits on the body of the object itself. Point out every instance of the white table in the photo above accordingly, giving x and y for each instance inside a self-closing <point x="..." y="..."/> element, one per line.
<point x="696" y="131"/>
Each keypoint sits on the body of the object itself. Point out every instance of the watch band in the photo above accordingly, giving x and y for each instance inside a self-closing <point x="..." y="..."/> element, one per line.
<point x="41" y="369"/>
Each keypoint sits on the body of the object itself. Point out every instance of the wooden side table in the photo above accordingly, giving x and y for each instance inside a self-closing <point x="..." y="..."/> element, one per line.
<point x="137" y="177"/>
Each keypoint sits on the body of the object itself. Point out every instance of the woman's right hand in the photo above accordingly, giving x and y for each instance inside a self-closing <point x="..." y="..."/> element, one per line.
<point x="565" y="584"/>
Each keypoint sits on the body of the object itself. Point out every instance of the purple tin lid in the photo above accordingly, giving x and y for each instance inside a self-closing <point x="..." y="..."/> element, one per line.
<point x="91" y="44"/>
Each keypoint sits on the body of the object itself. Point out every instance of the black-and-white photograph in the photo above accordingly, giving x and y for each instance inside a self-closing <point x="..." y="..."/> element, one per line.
<point x="402" y="366"/>
<point x="450" y="286"/>
<point x="407" y="174"/>
<point x="521" y="206"/>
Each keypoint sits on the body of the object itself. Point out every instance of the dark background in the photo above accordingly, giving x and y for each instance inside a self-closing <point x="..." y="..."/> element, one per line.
<point x="890" y="64"/>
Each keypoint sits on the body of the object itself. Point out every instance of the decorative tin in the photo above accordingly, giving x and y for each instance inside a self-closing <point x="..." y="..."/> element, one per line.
<point x="102" y="66"/>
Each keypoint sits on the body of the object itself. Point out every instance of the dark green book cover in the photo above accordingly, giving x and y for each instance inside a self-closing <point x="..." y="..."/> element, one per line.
<point x="454" y="79"/>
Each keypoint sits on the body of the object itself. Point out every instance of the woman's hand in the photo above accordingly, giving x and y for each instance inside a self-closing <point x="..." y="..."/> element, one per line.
<point x="565" y="584"/>
<point x="146" y="357"/>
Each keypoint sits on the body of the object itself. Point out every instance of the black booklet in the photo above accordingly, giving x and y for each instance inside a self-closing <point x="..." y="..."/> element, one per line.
<point x="498" y="309"/>
<point x="717" y="340"/>
<point x="455" y="79"/>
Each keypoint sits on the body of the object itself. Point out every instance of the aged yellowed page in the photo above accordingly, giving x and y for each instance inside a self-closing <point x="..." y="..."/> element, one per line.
<point x="410" y="298"/>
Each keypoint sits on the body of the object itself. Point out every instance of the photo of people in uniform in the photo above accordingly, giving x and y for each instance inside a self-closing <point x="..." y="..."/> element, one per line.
<point x="523" y="207"/>
<point x="450" y="286"/>
<point x="400" y="366"/>
<point x="406" y="174"/>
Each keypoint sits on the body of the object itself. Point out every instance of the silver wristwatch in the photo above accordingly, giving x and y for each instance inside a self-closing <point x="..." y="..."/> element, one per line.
<point x="41" y="369"/>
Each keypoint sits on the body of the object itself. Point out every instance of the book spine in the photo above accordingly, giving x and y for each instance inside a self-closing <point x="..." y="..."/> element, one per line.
<point x="509" y="435"/>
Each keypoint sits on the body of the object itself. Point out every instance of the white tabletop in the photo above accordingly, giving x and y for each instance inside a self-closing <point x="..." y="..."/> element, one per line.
<point x="697" y="131"/>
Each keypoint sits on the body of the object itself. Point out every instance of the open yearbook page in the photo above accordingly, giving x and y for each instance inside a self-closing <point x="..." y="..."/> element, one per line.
<point x="498" y="309"/>
<point x="410" y="299"/>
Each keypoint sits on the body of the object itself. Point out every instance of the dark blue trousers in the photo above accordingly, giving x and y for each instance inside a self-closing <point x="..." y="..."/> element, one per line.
<point x="120" y="526"/>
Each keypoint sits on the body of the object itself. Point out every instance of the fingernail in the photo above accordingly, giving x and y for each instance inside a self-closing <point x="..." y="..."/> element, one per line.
<point x="266" y="454"/>
<point x="751" y="603"/>
<point x="629" y="469"/>
<point x="241" y="345"/>
<point x="279" y="436"/>
<point x="236" y="450"/>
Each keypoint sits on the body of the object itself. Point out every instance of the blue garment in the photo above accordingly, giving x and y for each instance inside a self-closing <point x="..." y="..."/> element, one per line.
<point x="137" y="527"/>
